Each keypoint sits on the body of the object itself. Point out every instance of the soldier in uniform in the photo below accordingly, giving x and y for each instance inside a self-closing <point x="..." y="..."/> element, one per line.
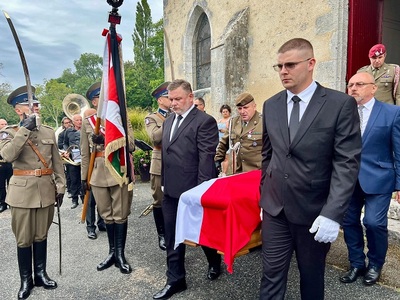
<point x="5" y="175"/>
<point x="36" y="185"/>
<point x="113" y="201"/>
<point x="153" y="124"/>
<point x="244" y="136"/>
<point x="386" y="75"/>
<point x="92" y="94"/>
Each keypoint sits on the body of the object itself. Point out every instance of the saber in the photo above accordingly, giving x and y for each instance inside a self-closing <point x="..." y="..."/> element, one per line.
<point x="23" y="61"/>
<point x="59" y="236"/>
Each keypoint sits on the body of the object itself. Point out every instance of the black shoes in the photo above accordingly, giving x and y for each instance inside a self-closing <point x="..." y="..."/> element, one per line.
<point x="102" y="227"/>
<point x="92" y="235"/>
<point x="213" y="273"/>
<point x="352" y="275"/>
<point x="74" y="205"/>
<point x="372" y="275"/>
<point x="170" y="289"/>
<point x="3" y="206"/>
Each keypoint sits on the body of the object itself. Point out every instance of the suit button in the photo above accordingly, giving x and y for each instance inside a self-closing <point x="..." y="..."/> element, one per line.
<point x="289" y="155"/>
<point x="286" y="176"/>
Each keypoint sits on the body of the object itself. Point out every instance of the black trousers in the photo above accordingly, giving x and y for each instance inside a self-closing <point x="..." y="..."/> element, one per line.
<point x="6" y="172"/>
<point x="280" y="239"/>
<point x="75" y="175"/>
<point x="176" y="258"/>
<point x="91" y="215"/>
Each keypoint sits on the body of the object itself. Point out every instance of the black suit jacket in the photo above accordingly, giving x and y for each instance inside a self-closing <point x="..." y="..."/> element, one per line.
<point x="316" y="173"/>
<point x="188" y="159"/>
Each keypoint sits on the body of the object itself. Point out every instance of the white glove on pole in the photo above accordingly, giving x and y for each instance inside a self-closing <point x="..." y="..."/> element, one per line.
<point x="328" y="229"/>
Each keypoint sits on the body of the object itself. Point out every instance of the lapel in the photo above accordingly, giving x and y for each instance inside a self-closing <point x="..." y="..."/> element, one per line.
<point x="313" y="108"/>
<point x="382" y="70"/>
<point x="372" y="118"/>
<point x="185" y="122"/>
<point x="281" y="112"/>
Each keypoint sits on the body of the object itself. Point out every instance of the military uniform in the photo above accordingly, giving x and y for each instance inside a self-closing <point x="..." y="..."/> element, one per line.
<point x="385" y="79"/>
<point x="250" y="138"/>
<point x="113" y="201"/>
<point x="37" y="183"/>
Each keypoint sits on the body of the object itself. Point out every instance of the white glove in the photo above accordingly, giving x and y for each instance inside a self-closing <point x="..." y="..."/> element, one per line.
<point x="162" y="188"/>
<point x="328" y="229"/>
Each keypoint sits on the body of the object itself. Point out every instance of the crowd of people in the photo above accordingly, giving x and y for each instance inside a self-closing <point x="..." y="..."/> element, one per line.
<point x="326" y="157"/>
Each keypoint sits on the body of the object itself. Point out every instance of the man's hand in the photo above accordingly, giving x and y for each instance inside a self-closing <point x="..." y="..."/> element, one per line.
<point x="29" y="122"/>
<point x="397" y="198"/>
<point x="59" y="199"/>
<point x="218" y="166"/>
<point x="84" y="187"/>
<point x="328" y="229"/>
<point x="97" y="139"/>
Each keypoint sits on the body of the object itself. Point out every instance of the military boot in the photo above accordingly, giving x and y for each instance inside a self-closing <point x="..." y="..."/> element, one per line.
<point x="159" y="220"/>
<point x="110" y="259"/>
<point x="120" y="239"/>
<point x="39" y="266"/>
<point x="25" y="271"/>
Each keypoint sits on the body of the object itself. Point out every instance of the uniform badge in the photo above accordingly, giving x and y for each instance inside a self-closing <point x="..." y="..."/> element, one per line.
<point x="147" y="121"/>
<point x="4" y="135"/>
<point x="254" y="144"/>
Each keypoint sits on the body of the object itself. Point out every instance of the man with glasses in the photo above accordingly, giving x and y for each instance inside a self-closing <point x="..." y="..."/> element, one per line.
<point x="200" y="104"/>
<point x="311" y="152"/>
<point x="386" y="76"/>
<point x="378" y="178"/>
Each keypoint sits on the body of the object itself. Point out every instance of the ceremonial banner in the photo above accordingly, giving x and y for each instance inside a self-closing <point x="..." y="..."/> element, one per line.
<point x="109" y="110"/>
<point x="221" y="213"/>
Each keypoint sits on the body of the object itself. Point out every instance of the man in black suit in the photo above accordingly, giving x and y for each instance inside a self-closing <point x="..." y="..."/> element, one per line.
<point x="189" y="142"/>
<point x="311" y="152"/>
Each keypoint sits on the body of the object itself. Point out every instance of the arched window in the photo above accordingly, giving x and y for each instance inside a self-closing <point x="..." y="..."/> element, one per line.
<point x="203" y="53"/>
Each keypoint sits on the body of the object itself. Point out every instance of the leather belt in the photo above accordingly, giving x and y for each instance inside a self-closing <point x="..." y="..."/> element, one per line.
<point x="157" y="147"/>
<point x="36" y="172"/>
<point x="100" y="154"/>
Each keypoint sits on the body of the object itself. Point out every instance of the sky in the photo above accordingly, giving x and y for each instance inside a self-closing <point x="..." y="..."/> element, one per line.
<point x="54" y="33"/>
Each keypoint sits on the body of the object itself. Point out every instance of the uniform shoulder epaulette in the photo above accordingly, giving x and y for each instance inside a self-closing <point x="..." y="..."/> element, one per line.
<point x="47" y="126"/>
<point x="11" y="126"/>
<point x="393" y="65"/>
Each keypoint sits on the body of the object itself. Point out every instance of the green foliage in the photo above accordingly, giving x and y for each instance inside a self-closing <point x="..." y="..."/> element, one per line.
<point x="7" y="111"/>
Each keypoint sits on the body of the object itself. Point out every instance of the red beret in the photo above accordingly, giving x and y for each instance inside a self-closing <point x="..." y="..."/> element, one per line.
<point x="377" y="50"/>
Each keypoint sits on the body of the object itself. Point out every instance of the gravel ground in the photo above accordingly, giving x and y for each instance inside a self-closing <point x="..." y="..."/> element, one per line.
<point x="81" y="280"/>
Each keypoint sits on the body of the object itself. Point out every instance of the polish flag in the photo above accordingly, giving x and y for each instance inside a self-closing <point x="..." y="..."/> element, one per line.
<point x="220" y="213"/>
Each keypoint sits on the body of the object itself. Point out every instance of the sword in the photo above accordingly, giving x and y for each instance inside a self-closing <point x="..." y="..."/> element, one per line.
<point x="59" y="236"/>
<point x="146" y="211"/>
<point x="23" y="61"/>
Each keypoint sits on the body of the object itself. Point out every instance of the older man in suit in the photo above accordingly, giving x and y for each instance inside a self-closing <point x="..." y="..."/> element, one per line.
<point x="379" y="176"/>
<point x="189" y="141"/>
<point x="311" y="152"/>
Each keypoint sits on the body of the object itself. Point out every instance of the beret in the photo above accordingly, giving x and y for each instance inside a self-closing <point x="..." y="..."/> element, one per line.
<point x="243" y="99"/>
<point x="377" y="50"/>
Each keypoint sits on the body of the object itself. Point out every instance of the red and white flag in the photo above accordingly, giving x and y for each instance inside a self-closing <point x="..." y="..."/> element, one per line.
<point x="221" y="213"/>
<point x="109" y="111"/>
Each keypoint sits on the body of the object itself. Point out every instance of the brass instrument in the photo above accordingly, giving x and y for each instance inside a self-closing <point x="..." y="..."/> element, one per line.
<point x="72" y="104"/>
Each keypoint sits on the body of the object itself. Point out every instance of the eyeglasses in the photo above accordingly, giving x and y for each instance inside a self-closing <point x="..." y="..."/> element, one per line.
<point x="358" y="84"/>
<point x="289" y="65"/>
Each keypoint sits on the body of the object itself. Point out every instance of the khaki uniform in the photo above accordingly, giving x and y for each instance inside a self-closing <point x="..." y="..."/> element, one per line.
<point x="250" y="138"/>
<point x="30" y="191"/>
<point x="385" y="81"/>
<point x="113" y="202"/>
<point x="153" y="124"/>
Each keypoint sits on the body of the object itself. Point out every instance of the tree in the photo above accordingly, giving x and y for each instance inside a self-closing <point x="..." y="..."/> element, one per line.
<point x="88" y="69"/>
<point x="51" y="96"/>
<point x="7" y="111"/>
<point x="147" y="71"/>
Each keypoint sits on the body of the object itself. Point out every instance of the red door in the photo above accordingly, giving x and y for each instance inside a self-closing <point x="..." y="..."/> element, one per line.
<point x="365" y="30"/>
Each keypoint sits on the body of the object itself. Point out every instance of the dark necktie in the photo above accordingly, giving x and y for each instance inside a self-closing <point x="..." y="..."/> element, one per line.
<point x="178" y="121"/>
<point x="294" y="118"/>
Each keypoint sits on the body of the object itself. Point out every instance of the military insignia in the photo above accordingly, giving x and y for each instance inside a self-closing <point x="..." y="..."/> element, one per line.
<point x="254" y="144"/>
<point x="4" y="135"/>
<point x="147" y="121"/>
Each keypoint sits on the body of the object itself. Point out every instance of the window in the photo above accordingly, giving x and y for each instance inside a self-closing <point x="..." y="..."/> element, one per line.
<point x="203" y="53"/>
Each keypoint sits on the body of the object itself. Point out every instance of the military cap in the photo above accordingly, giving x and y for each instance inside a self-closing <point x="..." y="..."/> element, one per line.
<point x="93" y="91"/>
<point x="20" y="96"/>
<point x="161" y="90"/>
<point x="377" y="50"/>
<point x="243" y="99"/>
